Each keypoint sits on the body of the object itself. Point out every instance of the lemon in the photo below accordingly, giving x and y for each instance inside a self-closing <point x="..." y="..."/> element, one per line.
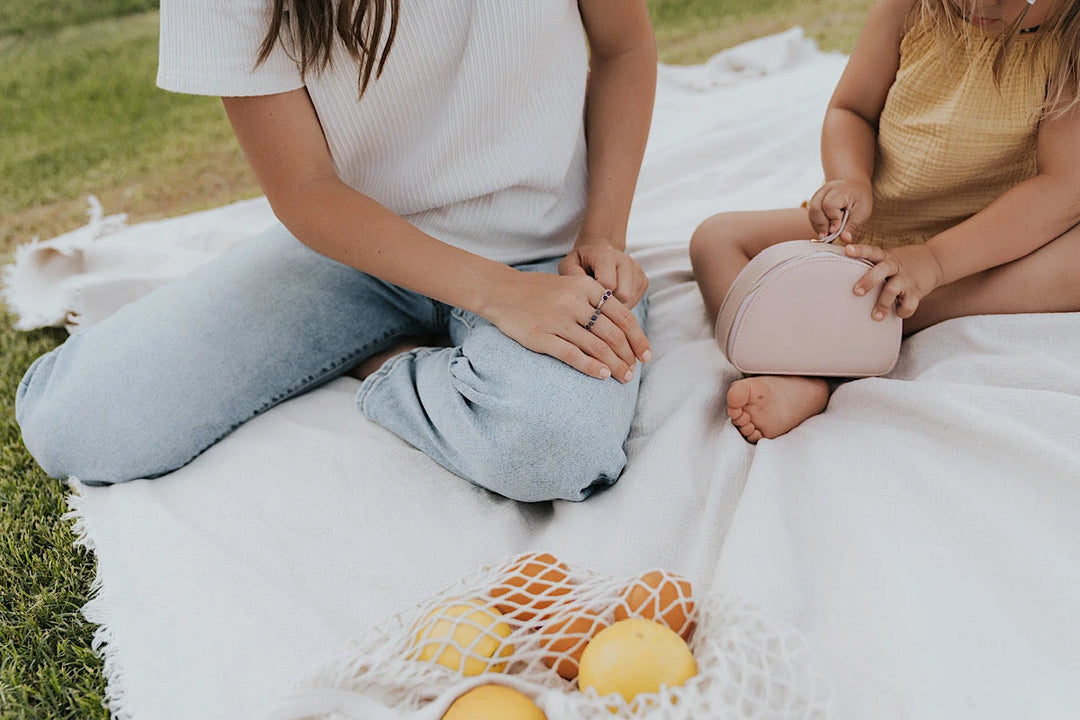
<point x="494" y="702"/>
<point x="464" y="636"/>
<point x="635" y="656"/>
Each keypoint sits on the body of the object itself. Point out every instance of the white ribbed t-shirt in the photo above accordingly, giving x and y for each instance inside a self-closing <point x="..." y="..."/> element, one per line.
<point x="474" y="132"/>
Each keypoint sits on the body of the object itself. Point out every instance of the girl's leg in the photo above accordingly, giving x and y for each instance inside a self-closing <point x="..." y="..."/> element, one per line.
<point x="151" y="387"/>
<point x="762" y="405"/>
<point x="519" y="423"/>
<point x="1043" y="281"/>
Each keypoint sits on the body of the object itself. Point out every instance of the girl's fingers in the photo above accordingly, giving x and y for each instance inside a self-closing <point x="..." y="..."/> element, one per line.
<point x="873" y="253"/>
<point x="833" y="204"/>
<point x="873" y="277"/>
<point x="886" y="301"/>
<point x="908" y="305"/>
<point x="817" y="218"/>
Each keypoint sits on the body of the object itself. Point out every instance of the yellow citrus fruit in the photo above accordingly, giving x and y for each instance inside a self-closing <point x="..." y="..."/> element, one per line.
<point x="494" y="702"/>
<point x="466" y="636"/>
<point x="634" y="656"/>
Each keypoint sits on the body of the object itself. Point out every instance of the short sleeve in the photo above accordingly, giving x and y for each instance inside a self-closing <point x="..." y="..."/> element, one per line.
<point x="209" y="47"/>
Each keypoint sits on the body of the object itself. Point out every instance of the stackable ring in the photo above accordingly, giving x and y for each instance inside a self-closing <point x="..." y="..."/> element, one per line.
<point x="596" y="310"/>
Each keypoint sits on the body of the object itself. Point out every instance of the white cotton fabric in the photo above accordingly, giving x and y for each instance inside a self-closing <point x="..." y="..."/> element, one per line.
<point x="921" y="534"/>
<point x="438" y="137"/>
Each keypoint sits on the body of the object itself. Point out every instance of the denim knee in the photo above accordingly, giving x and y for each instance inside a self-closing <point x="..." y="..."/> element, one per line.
<point x="531" y="431"/>
<point x="538" y="457"/>
<point x="70" y="434"/>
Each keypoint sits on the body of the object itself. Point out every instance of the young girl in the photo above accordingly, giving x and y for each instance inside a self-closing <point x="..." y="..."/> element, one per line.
<point x="953" y="139"/>
<point x="429" y="165"/>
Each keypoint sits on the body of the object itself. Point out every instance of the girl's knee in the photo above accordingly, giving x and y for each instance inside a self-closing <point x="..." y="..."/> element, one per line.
<point x="711" y="236"/>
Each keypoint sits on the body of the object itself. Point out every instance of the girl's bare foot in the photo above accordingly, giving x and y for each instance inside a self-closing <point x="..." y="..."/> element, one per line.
<point x="767" y="406"/>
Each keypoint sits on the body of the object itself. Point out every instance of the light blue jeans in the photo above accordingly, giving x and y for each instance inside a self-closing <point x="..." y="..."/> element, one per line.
<point x="147" y="390"/>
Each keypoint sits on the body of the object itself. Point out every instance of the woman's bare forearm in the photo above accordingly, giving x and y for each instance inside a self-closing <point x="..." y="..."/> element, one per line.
<point x="358" y="231"/>
<point x="622" y="87"/>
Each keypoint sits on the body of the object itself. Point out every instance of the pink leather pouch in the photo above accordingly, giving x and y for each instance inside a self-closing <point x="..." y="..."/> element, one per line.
<point x="791" y="311"/>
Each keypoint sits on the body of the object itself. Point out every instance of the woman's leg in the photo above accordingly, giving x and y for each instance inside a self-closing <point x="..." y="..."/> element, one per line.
<point x="151" y="387"/>
<point x="519" y="423"/>
<point x="1046" y="280"/>
<point x="762" y="405"/>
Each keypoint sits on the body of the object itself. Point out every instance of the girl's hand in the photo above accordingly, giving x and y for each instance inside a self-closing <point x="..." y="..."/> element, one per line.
<point x="826" y="207"/>
<point x="910" y="273"/>
<point x="611" y="267"/>
<point x="549" y="313"/>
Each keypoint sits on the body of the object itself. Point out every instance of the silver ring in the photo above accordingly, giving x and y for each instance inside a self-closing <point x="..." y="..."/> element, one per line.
<point x="596" y="310"/>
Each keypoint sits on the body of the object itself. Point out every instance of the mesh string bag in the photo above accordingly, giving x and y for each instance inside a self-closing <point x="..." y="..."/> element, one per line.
<point x="525" y="623"/>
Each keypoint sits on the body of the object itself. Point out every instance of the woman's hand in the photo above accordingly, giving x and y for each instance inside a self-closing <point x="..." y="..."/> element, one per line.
<point x="910" y="273"/>
<point x="826" y="207"/>
<point x="611" y="267"/>
<point x="549" y="313"/>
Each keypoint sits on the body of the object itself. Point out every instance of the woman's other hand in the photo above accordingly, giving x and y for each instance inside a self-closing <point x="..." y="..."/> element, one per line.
<point x="549" y="314"/>
<point x="826" y="207"/>
<point x="609" y="266"/>
<point x="910" y="273"/>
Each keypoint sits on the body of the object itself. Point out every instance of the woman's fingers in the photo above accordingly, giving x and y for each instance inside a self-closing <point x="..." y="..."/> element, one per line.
<point x="632" y="282"/>
<point x="615" y="311"/>
<point x="592" y="345"/>
<point x="605" y="270"/>
<point x="614" y="340"/>
<point x="571" y="354"/>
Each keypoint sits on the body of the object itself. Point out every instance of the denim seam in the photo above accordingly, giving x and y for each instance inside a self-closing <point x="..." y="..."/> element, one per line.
<point x="379" y="375"/>
<point x="459" y="315"/>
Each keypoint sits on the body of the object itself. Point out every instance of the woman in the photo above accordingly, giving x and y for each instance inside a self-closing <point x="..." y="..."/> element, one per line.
<point x="429" y="165"/>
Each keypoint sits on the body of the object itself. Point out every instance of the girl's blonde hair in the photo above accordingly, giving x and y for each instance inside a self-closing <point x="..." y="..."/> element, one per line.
<point x="1061" y="28"/>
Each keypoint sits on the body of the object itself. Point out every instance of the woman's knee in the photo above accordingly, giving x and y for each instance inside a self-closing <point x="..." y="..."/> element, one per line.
<point x="551" y="459"/>
<point x="73" y="431"/>
<point x="563" y="443"/>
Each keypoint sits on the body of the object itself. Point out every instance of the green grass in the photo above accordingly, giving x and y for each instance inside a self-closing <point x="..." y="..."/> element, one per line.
<point x="29" y="17"/>
<point x="79" y="110"/>
<point x="47" y="669"/>
<point x="79" y="113"/>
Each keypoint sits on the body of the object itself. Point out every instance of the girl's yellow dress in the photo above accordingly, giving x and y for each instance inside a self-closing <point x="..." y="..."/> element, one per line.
<point x="950" y="139"/>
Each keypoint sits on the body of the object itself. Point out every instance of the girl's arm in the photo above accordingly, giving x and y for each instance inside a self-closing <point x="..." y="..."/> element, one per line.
<point x="622" y="85"/>
<point x="1024" y="218"/>
<point x="283" y="140"/>
<point x="849" y="132"/>
<point x="1018" y="222"/>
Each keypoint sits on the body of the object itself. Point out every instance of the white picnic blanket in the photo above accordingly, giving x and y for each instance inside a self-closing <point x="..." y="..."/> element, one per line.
<point x="923" y="533"/>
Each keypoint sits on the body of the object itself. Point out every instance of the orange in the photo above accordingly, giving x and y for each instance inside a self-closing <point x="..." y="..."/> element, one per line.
<point x="565" y="636"/>
<point x="661" y="596"/>
<point x="532" y="585"/>
<point x="494" y="702"/>
<point x="635" y="656"/>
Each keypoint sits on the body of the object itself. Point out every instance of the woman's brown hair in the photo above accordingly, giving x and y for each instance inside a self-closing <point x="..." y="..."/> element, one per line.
<point x="309" y="28"/>
<point x="1061" y="29"/>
